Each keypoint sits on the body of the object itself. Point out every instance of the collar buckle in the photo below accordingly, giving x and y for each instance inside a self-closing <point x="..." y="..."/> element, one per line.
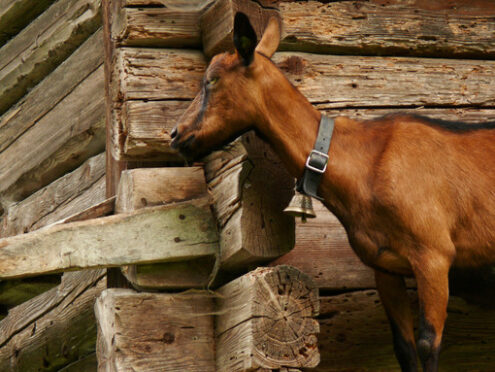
<point x="317" y="161"/>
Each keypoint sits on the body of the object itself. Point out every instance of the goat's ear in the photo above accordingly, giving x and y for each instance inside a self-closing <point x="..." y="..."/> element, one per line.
<point x="244" y="38"/>
<point x="270" y="39"/>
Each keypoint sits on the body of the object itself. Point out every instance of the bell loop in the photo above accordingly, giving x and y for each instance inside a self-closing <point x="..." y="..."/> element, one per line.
<point x="301" y="205"/>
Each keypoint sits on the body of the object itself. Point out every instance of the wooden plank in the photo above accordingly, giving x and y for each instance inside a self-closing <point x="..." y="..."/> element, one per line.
<point x="148" y="123"/>
<point x="60" y="127"/>
<point x="147" y="126"/>
<point x="146" y="187"/>
<point x="444" y="28"/>
<point x="53" y="329"/>
<point x="217" y="23"/>
<point x="51" y="90"/>
<point x="355" y="335"/>
<point x="43" y="45"/>
<point x="103" y="208"/>
<point x="171" y="25"/>
<point x="166" y="233"/>
<point x="17" y="14"/>
<point x="265" y="320"/>
<point x="67" y="195"/>
<point x="250" y="189"/>
<point x="323" y="252"/>
<point x="182" y="4"/>
<point x="155" y="332"/>
<point x="332" y="81"/>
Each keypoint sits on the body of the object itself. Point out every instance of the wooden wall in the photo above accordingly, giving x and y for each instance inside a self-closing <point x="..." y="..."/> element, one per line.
<point x="356" y="58"/>
<point x="52" y="166"/>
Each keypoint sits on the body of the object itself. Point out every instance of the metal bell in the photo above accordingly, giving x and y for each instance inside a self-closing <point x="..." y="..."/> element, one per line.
<point x="300" y="206"/>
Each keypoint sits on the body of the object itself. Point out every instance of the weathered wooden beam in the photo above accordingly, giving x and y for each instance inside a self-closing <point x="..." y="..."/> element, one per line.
<point x="45" y="43"/>
<point x="148" y="111"/>
<point x="250" y="188"/>
<point x="64" y="197"/>
<point x="17" y="14"/>
<point x="57" y="141"/>
<point x="355" y="335"/>
<point x="146" y="187"/>
<point x="167" y="233"/>
<point x="159" y="332"/>
<point x="266" y="320"/>
<point x="174" y="24"/>
<point x="148" y="123"/>
<point x="217" y="23"/>
<point x="332" y="81"/>
<point x="446" y="29"/>
<point x="147" y="126"/>
<point x="53" y="329"/>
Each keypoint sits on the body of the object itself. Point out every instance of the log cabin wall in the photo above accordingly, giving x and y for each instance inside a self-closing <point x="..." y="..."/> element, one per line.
<point x="356" y="58"/>
<point x="52" y="166"/>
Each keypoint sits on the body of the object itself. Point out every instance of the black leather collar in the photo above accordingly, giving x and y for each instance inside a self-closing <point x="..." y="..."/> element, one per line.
<point x="316" y="163"/>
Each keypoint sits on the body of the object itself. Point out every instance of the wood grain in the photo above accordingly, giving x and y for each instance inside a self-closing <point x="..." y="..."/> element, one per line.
<point x="147" y="187"/>
<point x="64" y="197"/>
<point x="53" y="329"/>
<point x="266" y="321"/>
<point x="355" y="335"/>
<point x="57" y="130"/>
<point x="155" y="332"/>
<point x="166" y="233"/>
<point x="44" y="44"/>
<point x="444" y="28"/>
<point x="250" y="189"/>
<point x="172" y="25"/>
<point x="51" y="90"/>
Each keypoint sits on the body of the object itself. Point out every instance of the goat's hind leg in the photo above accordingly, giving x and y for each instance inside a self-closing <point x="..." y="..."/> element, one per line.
<point x="392" y="290"/>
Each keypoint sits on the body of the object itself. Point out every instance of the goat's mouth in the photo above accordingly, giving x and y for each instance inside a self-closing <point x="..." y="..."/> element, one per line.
<point x="184" y="146"/>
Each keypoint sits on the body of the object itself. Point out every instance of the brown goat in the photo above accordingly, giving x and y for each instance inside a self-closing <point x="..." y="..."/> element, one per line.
<point x="415" y="195"/>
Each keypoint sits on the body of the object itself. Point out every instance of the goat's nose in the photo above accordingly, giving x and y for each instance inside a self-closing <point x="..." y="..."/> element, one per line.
<point x="173" y="133"/>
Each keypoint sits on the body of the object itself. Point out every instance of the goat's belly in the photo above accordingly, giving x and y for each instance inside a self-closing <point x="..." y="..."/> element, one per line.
<point x="475" y="246"/>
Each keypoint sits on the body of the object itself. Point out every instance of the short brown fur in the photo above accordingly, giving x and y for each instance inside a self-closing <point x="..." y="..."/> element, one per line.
<point x="415" y="198"/>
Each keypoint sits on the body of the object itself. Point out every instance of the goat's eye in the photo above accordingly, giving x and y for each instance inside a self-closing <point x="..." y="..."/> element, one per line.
<point x="211" y="82"/>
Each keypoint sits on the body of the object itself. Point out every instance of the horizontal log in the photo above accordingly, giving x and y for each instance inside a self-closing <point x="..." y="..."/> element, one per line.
<point x="265" y="320"/>
<point x="333" y="81"/>
<point x="154" y="74"/>
<point x="410" y="28"/>
<point x="355" y="335"/>
<point x="148" y="123"/>
<point x="155" y="332"/>
<point x="148" y="187"/>
<point x="51" y="90"/>
<point x="53" y="329"/>
<point x="147" y="126"/>
<point x="250" y="189"/>
<point x="62" y="198"/>
<point x="43" y="45"/>
<point x="41" y="148"/>
<point x="166" y="233"/>
<point x="174" y="24"/>
<point x="17" y="14"/>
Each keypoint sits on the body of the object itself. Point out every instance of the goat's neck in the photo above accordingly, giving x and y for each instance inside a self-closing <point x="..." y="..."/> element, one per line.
<point x="290" y="124"/>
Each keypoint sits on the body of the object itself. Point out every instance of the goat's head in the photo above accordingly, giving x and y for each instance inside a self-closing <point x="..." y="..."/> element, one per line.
<point x="230" y="99"/>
